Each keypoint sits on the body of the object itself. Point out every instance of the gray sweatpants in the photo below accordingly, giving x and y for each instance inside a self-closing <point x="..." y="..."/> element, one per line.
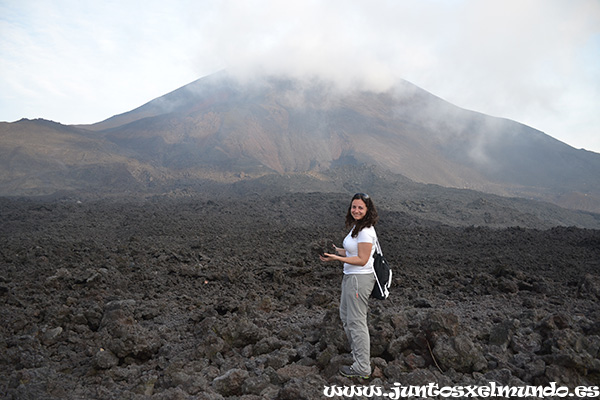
<point x="354" y="304"/>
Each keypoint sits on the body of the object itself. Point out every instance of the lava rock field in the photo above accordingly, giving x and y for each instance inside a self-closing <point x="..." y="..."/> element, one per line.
<point x="200" y="298"/>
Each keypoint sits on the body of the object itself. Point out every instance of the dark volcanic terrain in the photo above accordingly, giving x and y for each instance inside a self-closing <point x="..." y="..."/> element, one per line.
<point x="213" y="297"/>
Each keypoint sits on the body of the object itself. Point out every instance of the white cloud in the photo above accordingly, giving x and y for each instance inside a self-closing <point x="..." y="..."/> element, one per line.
<point x="535" y="61"/>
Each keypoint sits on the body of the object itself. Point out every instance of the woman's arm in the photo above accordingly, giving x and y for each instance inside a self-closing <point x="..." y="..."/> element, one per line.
<point x="364" y="252"/>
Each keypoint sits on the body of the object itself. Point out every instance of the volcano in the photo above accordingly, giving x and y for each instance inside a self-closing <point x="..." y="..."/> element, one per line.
<point x="220" y="128"/>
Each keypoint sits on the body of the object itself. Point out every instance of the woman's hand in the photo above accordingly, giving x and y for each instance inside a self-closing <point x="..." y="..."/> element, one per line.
<point x="338" y="250"/>
<point x="364" y="252"/>
<point x="329" y="257"/>
<point x="338" y="253"/>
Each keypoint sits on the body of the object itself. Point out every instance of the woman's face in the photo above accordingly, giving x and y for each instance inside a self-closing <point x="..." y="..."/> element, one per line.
<point x="358" y="209"/>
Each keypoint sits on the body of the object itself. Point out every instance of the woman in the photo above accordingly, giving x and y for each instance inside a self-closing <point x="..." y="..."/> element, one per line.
<point x="358" y="281"/>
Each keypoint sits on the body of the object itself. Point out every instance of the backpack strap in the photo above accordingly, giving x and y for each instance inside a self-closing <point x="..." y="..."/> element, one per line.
<point x="377" y="280"/>
<point x="377" y="246"/>
<point x="378" y="249"/>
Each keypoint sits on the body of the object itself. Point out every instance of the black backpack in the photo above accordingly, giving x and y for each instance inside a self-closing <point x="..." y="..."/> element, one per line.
<point x="383" y="275"/>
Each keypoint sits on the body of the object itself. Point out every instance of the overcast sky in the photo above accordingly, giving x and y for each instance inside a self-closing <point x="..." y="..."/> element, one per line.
<point x="81" y="61"/>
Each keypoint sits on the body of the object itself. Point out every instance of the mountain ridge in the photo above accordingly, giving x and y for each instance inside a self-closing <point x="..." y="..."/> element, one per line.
<point x="219" y="127"/>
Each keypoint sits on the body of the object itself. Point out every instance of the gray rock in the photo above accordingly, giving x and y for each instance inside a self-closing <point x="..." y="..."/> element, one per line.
<point x="230" y="383"/>
<point x="459" y="353"/>
<point x="105" y="359"/>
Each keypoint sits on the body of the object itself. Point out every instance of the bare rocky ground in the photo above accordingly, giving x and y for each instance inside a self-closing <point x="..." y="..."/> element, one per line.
<point x="225" y="298"/>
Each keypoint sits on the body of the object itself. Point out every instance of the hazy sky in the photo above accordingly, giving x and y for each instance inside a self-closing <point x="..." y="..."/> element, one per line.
<point x="81" y="61"/>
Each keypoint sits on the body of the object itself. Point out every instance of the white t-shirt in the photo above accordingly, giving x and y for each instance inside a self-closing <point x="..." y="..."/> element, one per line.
<point x="366" y="235"/>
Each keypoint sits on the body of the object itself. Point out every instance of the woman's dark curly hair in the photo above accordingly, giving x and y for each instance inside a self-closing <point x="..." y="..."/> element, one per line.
<point x="370" y="218"/>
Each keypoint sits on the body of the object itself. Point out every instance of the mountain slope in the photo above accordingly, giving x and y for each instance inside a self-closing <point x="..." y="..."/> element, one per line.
<point x="41" y="157"/>
<point x="220" y="128"/>
<point x="285" y="125"/>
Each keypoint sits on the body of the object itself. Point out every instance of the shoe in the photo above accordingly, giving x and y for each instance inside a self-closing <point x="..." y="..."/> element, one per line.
<point x="349" y="372"/>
